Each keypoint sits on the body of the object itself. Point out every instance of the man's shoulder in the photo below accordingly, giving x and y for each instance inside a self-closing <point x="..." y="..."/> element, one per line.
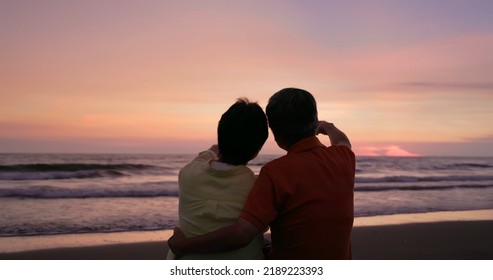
<point x="306" y="158"/>
<point x="275" y="162"/>
<point x="281" y="165"/>
<point x="341" y="150"/>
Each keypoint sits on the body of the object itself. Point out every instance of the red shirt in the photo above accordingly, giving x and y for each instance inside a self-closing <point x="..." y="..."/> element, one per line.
<point x="306" y="197"/>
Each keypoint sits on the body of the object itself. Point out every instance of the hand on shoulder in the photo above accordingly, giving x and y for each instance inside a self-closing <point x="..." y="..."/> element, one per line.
<point x="215" y="149"/>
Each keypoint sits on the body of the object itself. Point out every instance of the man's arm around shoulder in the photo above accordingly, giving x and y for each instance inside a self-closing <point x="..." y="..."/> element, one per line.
<point x="222" y="240"/>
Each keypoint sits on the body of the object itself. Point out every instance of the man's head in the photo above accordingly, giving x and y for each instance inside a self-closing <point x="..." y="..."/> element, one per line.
<point x="292" y="115"/>
<point x="242" y="131"/>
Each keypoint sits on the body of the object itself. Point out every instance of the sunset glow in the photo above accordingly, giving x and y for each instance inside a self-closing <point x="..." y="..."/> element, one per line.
<point x="404" y="78"/>
<point x="391" y="151"/>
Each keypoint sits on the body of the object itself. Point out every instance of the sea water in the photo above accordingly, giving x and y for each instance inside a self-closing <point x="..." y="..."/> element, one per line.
<point x="42" y="194"/>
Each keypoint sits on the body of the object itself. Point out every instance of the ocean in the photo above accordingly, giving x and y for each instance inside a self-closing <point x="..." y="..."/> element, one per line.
<point x="44" y="194"/>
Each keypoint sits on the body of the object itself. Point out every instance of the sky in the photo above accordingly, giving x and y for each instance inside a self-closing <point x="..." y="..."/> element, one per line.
<point x="400" y="78"/>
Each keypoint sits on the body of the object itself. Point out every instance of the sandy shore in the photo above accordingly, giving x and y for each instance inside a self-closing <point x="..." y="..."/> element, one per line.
<point x="443" y="235"/>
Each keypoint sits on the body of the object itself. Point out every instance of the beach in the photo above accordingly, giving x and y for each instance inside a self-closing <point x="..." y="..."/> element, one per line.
<point x="448" y="235"/>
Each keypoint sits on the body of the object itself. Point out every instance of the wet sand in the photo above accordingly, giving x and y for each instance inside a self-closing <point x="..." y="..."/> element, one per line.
<point x="463" y="235"/>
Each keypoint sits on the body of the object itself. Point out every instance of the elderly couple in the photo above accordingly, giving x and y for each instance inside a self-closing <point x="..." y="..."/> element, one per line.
<point x="305" y="197"/>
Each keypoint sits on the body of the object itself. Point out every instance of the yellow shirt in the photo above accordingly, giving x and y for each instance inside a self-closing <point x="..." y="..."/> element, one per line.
<point x="211" y="199"/>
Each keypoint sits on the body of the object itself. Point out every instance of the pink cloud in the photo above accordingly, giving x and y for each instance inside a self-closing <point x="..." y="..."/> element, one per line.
<point x="390" y="151"/>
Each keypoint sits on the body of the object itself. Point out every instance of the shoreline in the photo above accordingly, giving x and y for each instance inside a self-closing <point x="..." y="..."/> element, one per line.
<point x="432" y="235"/>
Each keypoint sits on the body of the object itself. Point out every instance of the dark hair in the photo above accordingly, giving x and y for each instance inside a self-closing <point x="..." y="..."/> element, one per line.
<point x="242" y="131"/>
<point x="292" y="115"/>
